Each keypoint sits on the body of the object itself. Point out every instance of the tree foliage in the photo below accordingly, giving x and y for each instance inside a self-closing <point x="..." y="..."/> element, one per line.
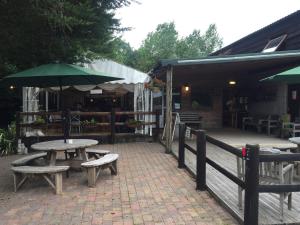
<point x="164" y="43"/>
<point x="34" y="32"/>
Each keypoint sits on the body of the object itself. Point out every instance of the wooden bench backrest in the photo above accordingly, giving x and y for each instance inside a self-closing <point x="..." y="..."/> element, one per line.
<point x="188" y="116"/>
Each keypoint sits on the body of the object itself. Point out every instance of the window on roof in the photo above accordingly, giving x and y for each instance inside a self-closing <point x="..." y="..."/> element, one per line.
<point x="273" y="44"/>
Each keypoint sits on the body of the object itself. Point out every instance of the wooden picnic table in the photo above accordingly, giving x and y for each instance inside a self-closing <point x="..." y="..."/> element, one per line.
<point x="296" y="140"/>
<point x="53" y="147"/>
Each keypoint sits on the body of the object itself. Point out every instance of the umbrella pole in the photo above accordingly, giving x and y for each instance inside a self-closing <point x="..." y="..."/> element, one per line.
<point x="64" y="114"/>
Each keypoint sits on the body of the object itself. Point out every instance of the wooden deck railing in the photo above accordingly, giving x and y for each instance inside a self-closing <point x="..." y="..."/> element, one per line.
<point x="62" y="123"/>
<point x="252" y="157"/>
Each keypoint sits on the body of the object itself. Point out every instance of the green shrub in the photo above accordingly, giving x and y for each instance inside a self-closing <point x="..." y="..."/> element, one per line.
<point x="7" y="140"/>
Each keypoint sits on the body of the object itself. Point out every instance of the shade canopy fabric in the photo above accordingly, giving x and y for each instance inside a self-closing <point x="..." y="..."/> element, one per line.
<point x="288" y="76"/>
<point x="59" y="74"/>
<point x="128" y="74"/>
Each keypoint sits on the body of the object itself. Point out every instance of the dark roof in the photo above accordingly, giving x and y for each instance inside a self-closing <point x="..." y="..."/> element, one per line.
<point x="256" y="41"/>
<point x="230" y="58"/>
<point x="258" y="65"/>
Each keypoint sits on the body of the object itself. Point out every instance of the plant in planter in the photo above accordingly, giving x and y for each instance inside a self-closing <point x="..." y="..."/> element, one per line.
<point x="39" y="121"/>
<point x="91" y="122"/>
<point x="155" y="85"/>
<point x="134" y="123"/>
<point x="7" y="140"/>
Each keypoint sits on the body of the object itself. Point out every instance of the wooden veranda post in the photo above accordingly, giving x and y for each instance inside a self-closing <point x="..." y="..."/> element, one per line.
<point x="156" y="133"/>
<point x="251" y="183"/>
<point x="201" y="160"/>
<point x="182" y="129"/>
<point x="168" y="129"/>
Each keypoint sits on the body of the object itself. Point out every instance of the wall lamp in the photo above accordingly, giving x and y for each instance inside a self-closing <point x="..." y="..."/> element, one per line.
<point x="232" y="82"/>
<point x="186" y="88"/>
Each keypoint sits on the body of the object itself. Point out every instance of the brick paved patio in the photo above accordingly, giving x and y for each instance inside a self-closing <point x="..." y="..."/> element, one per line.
<point x="149" y="189"/>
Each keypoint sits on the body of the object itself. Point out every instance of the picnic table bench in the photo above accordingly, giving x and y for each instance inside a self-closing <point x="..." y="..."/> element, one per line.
<point x="96" y="153"/>
<point x="28" y="159"/>
<point x="191" y="119"/>
<point x="95" y="166"/>
<point x="22" y="173"/>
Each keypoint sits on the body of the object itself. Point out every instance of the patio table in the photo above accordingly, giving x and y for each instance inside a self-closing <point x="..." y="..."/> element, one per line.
<point x="53" y="147"/>
<point x="296" y="140"/>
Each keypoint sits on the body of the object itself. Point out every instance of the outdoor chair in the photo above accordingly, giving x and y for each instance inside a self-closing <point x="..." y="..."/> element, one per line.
<point x="254" y="121"/>
<point x="272" y="122"/>
<point x="75" y="123"/>
<point x="289" y="128"/>
<point x="270" y="173"/>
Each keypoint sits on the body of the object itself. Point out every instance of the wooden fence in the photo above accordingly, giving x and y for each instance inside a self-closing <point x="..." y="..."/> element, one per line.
<point x="100" y="122"/>
<point x="252" y="158"/>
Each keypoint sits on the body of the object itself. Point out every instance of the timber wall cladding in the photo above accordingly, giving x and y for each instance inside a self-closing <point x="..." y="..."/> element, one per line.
<point x="211" y="117"/>
<point x="277" y="105"/>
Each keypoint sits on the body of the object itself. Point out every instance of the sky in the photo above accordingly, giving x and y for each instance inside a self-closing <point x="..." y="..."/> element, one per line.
<point x="234" y="18"/>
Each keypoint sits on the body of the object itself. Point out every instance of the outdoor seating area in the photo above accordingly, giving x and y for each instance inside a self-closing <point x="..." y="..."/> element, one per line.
<point x="279" y="125"/>
<point x="77" y="156"/>
<point x="260" y="123"/>
<point x="148" y="189"/>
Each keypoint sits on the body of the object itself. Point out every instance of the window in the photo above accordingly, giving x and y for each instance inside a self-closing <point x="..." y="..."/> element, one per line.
<point x="273" y="44"/>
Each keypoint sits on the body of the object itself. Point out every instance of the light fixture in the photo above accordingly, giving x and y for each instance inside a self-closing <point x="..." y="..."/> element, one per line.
<point x="232" y="82"/>
<point x="11" y="87"/>
<point x="186" y="88"/>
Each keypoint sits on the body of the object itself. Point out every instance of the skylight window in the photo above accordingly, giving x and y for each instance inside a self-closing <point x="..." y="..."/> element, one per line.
<point x="273" y="44"/>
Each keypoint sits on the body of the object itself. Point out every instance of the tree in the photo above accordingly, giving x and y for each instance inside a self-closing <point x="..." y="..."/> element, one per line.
<point x="34" y="32"/>
<point x="196" y="45"/>
<point x="123" y="53"/>
<point x="159" y="44"/>
<point x="163" y="43"/>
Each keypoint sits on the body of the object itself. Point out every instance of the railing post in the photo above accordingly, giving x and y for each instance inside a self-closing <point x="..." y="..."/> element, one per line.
<point x="201" y="160"/>
<point x="181" y="141"/>
<point x="251" y="183"/>
<point x="156" y="134"/>
<point x="113" y="125"/>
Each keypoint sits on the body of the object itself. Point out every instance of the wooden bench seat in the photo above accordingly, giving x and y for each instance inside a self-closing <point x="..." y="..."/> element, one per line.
<point x="97" y="153"/>
<point x="22" y="173"/>
<point x="28" y="159"/>
<point x="94" y="167"/>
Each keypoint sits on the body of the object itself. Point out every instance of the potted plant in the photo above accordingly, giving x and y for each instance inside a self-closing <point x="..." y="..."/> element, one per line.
<point x="39" y="121"/>
<point x="155" y="85"/>
<point x="132" y="123"/>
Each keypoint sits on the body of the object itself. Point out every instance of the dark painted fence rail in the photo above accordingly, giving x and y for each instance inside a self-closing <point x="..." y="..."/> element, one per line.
<point x="252" y="158"/>
<point x="99" y="121"/>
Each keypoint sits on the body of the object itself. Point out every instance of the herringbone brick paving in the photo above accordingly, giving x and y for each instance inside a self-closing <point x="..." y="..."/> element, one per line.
<point x="149" y="189"/>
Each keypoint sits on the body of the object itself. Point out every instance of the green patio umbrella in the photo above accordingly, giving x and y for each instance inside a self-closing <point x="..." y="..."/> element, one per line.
<point x="53" y="75"/>
<point x="56" y="75"/>
<point x="288" y="76"/>
<point x="59" y="74"/>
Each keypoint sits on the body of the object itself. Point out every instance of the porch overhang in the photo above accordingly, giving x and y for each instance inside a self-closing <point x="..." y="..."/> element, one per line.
<point x="216" y="70"/>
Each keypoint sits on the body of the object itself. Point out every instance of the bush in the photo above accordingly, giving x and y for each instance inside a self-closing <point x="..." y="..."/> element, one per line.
<point x="7" y="140"/>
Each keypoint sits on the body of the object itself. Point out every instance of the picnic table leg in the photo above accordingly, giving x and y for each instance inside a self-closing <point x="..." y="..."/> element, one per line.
<point x="52" y="158"/>
<point x="84" y="155"/>
<point x="91" y="176"/>
<point x="58" y="183"/>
